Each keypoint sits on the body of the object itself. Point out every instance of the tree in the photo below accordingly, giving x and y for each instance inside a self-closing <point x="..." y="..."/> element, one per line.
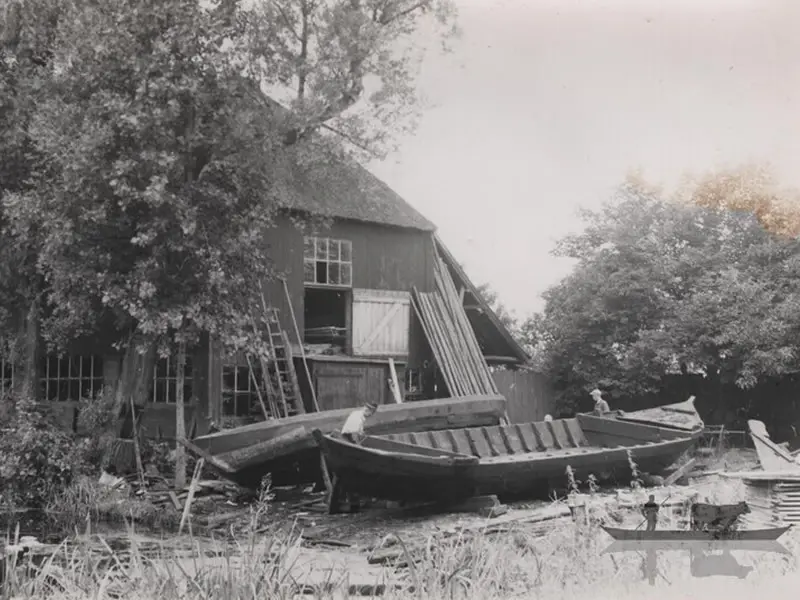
<point x="506" y="317"/>
<point x="664" y="284"/>
<point x="347" y="66"/>
<point x="158" y="161"/>
<point x="26" y="51"/>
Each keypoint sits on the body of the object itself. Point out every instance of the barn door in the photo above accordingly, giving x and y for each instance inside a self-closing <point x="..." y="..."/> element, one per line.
<point x="380" y="323"/>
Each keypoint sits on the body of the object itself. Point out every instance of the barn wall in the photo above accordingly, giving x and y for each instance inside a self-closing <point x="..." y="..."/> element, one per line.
<point x="528" y="395"/>
<point x="384" y="258"/>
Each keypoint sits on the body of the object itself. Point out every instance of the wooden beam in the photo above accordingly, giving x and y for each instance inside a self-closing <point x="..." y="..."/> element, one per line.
<point x="501" y="359"/>
<point x="394" y="382"/>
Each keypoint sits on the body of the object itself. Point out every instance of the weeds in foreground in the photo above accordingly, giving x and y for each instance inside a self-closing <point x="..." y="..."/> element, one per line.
<point x="86" y="502"/>
<point x="567" y="561"/>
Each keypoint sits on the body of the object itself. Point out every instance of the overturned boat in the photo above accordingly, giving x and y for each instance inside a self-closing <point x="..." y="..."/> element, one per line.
<point x="511" y="460"/>
<point x="286" y="449"/>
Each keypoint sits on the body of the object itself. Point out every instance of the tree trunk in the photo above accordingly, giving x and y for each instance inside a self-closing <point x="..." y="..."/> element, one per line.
<point x="180" y="419"/>
<point x="29" y="384"/>
<point x="135" y="381"/>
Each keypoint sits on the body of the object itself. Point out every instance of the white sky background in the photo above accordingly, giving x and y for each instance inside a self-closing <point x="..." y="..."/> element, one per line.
<point x="544" y="105"/>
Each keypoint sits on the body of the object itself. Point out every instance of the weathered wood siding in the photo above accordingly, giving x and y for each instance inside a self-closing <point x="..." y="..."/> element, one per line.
<point x="343" y="383"/>
<point x="528" y="395"/>
<point x="384" y="258"/>
<point x="381" y="321"/>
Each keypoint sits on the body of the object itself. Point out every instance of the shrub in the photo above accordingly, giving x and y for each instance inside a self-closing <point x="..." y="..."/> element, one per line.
<point x="38" y="457"/>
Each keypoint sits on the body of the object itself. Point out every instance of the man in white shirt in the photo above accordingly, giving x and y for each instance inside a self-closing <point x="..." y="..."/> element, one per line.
<point x="352" y="431"/>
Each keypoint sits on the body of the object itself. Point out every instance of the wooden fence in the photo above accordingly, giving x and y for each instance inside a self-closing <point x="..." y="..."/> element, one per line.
<point x="528" y="395"/>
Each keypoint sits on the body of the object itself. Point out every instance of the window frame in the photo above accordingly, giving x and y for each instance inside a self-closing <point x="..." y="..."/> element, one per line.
<point x="325" y="258"/>
<point x="170" y="381"/>
<point x="95" y="379"/>
<point x="236" y="392"/>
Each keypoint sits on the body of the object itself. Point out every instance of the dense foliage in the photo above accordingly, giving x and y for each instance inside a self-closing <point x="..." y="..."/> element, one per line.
<point x="699" y="281"/>
<point x="38" y="458"/>
<point x="141" y="161"/>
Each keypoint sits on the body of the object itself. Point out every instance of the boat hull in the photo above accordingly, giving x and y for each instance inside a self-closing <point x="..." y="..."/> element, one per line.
<point x="384" y="469"/>
<point x="508" y="478"/>
<point x="664" y="535"/>
<point x="521" y="460"/>
<point x="297" y="460"/>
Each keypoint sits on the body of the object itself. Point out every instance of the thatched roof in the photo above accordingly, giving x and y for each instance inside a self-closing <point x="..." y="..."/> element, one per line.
<point x="339" y="187"/>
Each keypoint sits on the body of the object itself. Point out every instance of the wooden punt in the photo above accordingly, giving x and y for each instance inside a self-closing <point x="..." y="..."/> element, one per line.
<point x="680" y="535"/>
<point x="522" y="459"/>
<point x="285" y="448"/>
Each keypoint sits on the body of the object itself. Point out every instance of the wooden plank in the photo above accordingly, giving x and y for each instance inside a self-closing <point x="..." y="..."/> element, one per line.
<point x="576" y="432"/>
<point x="513" y="442"/>
<point x="198" y="469"/>
<point x="680" y="472"/>
<point x="395" y="384"/>
<point x="527" y="437"/>
<point x="559" y="437"/>
<point x="496" y="440"/>
<point x="473" y="349"/>
<point x="292" y="373"/>
<point x="477" y="443"/>
<point x="267" y="450"/>
<point x="544" y="435"/>
<point x="435" y="338"/>
<point x="218" y="464"/>
<point x="460" y="441"/>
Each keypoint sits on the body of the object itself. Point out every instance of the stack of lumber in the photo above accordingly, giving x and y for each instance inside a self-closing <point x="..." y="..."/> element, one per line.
<point x="773" y="503"/>
<point x="451" y="338"/>
<point x="220" y="490"/>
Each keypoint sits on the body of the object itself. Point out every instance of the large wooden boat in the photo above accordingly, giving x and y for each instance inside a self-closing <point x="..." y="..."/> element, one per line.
<point x="513" y="460"/>
<point x="285" y="448"/>
<point x="680" y="535"/>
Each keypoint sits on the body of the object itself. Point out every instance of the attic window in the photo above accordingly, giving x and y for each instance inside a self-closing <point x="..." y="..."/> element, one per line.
<point x="328" y="261"/>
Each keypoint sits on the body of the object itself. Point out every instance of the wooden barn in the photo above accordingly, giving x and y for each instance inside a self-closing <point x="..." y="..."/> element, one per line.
<point x="344" y="305"/>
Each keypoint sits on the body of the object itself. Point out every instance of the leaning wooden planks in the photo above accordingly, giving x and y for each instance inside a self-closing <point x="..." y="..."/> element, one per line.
<point x="450" y="335"/>
<point x="448" y="289"/>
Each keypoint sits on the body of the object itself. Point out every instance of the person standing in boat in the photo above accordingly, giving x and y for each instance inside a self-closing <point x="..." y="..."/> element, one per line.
<point x="352" y="431"/>
<point x="650" y="512"/>
<point x="601" y="407"/>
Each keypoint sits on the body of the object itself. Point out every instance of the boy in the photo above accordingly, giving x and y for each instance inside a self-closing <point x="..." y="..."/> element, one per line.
<point x="600" y="406"/>
<point x="352" y="431"/>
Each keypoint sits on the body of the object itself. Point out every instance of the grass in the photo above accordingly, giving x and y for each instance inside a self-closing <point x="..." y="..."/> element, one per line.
<point x="266" y="561"/>
<point x="567" y="562"/>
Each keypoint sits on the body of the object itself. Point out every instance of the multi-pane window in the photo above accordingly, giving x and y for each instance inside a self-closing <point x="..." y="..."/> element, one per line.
<point x="6" y="376"/>
<point x="328" y="261"/>
<point x="71" y="378"/>
<point x="165" y="380"/>
<point x="239" y="393"/>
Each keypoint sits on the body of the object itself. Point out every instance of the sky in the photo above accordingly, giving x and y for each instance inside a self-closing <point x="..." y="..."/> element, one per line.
<point x="543" y="106"/>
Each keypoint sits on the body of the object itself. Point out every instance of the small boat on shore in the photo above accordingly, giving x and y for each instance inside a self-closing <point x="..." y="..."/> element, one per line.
<point x="510" y="460"/>
<point x="680" y="535"/>
<point x="285" y="448"/>
<point x="773" y="457"/>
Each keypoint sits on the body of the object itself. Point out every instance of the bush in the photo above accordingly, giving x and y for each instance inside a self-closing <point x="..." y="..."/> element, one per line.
<point x="38" y="458"/>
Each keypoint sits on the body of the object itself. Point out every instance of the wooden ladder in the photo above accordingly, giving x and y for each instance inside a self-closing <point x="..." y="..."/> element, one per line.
<point x="288" y="387"/>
